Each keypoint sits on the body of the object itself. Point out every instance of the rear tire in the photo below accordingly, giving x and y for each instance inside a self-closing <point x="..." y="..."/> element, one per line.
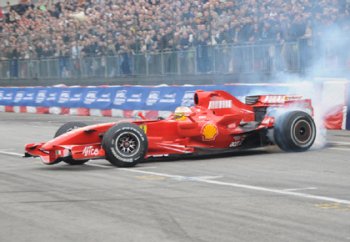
<point x="125" y="145"/>
<point x="294" y="131"/>
<point x="64" y="129"/>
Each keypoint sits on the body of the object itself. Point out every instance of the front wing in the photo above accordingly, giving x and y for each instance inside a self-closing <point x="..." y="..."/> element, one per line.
<point x="59" y="152"/>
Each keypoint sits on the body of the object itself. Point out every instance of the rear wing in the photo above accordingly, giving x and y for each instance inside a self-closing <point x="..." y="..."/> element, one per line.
<point x="260" y="103"/>
<point x="272" y="100"/>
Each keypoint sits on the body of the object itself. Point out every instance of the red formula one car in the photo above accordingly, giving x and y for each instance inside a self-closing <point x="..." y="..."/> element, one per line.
<point x="218" y="122"/>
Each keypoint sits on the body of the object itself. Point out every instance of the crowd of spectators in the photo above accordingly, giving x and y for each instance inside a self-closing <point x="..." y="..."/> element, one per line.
<point x="78" y="28"/>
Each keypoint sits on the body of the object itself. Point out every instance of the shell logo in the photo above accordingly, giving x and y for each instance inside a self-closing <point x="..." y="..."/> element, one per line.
<point x="209" y="131"/>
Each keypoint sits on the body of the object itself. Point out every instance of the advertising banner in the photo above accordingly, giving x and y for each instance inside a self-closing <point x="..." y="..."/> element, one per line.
<point x="162" y="98"/>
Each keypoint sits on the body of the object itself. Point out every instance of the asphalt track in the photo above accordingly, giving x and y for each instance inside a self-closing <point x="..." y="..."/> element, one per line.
<point x="260" y="195"/>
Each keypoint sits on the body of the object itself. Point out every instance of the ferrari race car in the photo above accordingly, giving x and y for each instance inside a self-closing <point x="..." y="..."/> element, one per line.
<point x="218" y="122"/>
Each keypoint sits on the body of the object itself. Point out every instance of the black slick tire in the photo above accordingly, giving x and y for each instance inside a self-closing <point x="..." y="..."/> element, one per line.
<point x="294" y="131"/>
<point x="125" y="144"/>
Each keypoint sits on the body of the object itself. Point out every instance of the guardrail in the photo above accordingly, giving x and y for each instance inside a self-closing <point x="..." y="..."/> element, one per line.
<point x="218" y="59"/>
<point x="295" y="57"/>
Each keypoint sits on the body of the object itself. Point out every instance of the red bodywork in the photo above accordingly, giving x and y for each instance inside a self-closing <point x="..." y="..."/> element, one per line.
<point x="217" y="121"/>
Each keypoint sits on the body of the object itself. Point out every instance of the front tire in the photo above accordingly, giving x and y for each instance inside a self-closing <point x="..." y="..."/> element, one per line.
<point x="125" y="145"/>
<point x="64" y="129"/>
<point x="294" y="131"/>
<point x="69" y="127"/>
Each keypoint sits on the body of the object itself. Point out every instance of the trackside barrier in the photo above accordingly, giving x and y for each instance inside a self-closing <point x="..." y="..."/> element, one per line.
<point x="348" y="108"/>
<point x="334" y="104"/>
<point x="128" y="101"/>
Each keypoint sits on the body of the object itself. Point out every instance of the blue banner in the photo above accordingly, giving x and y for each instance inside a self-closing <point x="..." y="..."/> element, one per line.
<point x="161" y="98"/>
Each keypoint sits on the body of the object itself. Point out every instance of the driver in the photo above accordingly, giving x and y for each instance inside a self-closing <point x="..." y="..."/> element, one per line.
<point x="182" y="112"/>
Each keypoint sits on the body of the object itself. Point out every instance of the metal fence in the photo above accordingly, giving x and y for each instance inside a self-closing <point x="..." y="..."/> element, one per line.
<point x="219" y="59"/>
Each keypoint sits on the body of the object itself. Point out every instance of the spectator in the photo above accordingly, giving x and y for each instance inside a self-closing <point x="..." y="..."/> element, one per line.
<point x="73" y="28"/>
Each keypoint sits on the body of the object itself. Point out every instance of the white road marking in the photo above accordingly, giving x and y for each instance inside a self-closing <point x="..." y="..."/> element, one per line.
<point x="147" y="167"/>
<point x="337" y="148"/>
<point x="339" y="142"/>
<point x="210" y="177"/>
<point x="300" y="189"/>
<point x="111" y="166"/>
<point x="4" y="152"/>
<point x="248" y="187"/>
<point x="195" y="178"/>
<point x="98" y="165"/>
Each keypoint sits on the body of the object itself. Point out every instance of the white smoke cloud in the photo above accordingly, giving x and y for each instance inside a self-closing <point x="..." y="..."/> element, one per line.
<point x="324" y="80"/>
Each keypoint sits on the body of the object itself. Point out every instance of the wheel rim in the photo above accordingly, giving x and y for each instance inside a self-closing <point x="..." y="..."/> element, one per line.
<point x="302" y="132"/>
<point x="127" y="144"/>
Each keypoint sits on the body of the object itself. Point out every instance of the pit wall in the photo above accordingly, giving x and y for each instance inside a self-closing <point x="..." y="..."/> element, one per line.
<point x="330" y="99"/>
